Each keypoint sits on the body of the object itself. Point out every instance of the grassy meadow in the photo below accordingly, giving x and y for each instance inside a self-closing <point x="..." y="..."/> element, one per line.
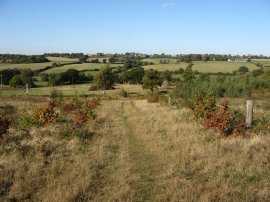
<point x="131" y="151"/>
<point x="79" y="67"/>
<point x="204" y="67"/>
<point x="62" y="59"/>
<point x="33" y="66"/>
<point x="72" y="90"/>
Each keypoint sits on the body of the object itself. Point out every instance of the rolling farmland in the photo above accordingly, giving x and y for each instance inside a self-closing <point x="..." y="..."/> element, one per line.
<point x="79" y="67"/>
<point x="33" y="66"/>
<point x="204" y="67"/>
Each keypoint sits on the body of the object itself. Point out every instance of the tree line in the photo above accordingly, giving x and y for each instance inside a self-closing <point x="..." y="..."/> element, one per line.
<point x="17" y="59"/>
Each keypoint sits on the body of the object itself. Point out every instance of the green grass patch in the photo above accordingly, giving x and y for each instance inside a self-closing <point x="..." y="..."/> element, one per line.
<point x="79" y="67"/>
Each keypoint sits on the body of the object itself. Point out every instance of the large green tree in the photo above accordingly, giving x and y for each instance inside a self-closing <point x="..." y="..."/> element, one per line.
<point x="105" y="79"/>
<point x="151" y="79"/>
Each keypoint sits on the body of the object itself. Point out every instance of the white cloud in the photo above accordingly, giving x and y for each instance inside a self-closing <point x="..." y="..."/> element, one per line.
<point x="166" y="5"/>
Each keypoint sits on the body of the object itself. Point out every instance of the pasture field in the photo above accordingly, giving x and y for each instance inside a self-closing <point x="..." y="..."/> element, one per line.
<point x="157" y="60"/>
<point x="79" y="67"/>
<point x="265" y="62"/>
<point x="204" y="67"/>
<point x="62" y="59"/>
<point x="132" y="151"/>
<point x="72" y="90"/>
<point x="33" y="66"/>
<point x="164" y="67"/>
<point x="100" y="59"/>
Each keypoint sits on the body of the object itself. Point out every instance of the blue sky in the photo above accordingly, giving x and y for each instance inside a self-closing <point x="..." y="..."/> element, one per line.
<point x="146" y="26"/>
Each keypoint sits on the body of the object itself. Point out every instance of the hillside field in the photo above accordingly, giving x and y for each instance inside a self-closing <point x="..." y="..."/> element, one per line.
<point x="33" y="66"/>
<point x="204" y="67"/>
<point x="79" y="67"/>
<point x="62" y="59"/>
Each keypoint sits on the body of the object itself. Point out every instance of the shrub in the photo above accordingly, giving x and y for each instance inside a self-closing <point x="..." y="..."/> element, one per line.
<point x="4" y="125"/>
<point x="153" y="97"/>
<point x="93" y="103"/>
<point x="55" y="94"/>
<point x="69" y="106"/>
<point x="80" y="117"/>
<point x="93" y="88"/>
<point x="123" y="93"/>
<point x="227" y="121"/>
<point x="204" y="105"/>
<point x="45" y="113"/>
<point x="25" y="120"/>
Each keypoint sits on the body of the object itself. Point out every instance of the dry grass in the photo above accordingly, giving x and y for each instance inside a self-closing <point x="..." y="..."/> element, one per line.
<point x="137" y="152"/>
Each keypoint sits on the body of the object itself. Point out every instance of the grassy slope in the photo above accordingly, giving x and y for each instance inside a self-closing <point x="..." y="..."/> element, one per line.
<point x="79" y="67"/>
<point x="33" y="66"/>
<point x="204" y="67"/>
<point x="62" y="59"/>
<point x="157" y="60"/>
<point x="138" y="152"/>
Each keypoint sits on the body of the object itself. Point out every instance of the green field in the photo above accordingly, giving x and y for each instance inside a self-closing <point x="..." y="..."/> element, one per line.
<point x="164" y="67"/>
<point x="33" y="66"/>
<point x="100" y="59"/>
<point x="265" y="62"/>
<point x="204" y="67"/>
<point x="157" y="60"/>
<point x="79" y="67"/>
<point x="62" y="59"/>
<point x="71" y="90"/>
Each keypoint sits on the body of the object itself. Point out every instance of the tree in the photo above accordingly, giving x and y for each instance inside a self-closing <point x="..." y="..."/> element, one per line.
<point x="16" y="81"/>
<point x="26" y="77"/>
<point x="166" y="75"/>
<point x="83" y="59"/>
<point x="243" y="69"/>
<point x="188" y="74"/>
<point x="7" y="75"/>
<point x="151" y="79"/>
<point x="105" y="79"/>
<point x="112" y="60"/>
<point x="137" y="75"/>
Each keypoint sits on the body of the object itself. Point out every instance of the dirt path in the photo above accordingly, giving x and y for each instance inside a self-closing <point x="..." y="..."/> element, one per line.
<point x="144" y="187"/>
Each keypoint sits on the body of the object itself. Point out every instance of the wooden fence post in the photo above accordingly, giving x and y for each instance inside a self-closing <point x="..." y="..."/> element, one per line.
<point x="249" y="116"/>
<point x="169" y="101"/>
<point x="26" y="89"/>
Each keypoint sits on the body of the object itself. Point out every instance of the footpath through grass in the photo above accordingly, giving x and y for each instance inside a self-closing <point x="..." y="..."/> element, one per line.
<point x="144" y="187"/>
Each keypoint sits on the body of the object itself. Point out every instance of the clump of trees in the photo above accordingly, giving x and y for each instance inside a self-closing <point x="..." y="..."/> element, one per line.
<point x="70" y="76"/>
<point x="17" y="78"/>
<point x="16" y="59"/>
<point x="105" y="79"/>
<point x="133" y="76"/>
<point x="151" y="79"/>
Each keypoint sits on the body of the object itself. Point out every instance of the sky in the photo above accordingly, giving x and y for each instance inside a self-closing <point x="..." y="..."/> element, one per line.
<point x="143" y="26"/>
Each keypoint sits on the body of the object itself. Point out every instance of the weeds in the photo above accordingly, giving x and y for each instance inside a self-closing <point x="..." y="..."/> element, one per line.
<point x="4" y="125"/>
